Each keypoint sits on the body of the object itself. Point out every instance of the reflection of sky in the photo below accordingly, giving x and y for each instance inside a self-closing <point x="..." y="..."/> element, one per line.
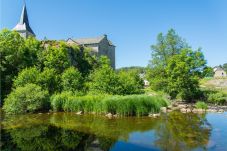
<point x="218" y="138"/>
<point x="137" y="141"/>
<point x="144" y="141"/>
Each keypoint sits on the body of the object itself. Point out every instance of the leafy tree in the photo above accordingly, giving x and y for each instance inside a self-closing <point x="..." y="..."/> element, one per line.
<point x="183" y="73"/>
<point x="29" y="98"/>
<point x="225" y="67"/>
<point x="27" y="75"/>
<point x="104" y="79"/>
<point x="208" y="72"/>
<point x="17" y="53"/>
<point x="167" y="46"/>
<point x="11" y="50"/>
<point x="56" y="57"/>
<point x="72" y="80"/>
<point x="49" y="80"/>
<point x="130" y="82"/>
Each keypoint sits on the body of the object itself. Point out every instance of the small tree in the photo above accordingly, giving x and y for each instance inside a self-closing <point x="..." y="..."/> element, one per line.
<point x="72" y="80"/>
<point x="29" y="98"/>
<point x="27" y="75"/>
<point x="183" y="72"/>
<point x="130" y="82"/>
<point x="104" y="79"/>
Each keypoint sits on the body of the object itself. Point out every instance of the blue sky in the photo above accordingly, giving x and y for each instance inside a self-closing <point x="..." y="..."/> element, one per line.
<point x="132" y="25"/>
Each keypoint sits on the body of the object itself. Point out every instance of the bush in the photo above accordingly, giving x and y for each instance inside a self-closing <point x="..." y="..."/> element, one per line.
<point x="29" y="98"/>
<point x="130" y="82"/>
<point x="27" y="75"/>
<point x="201" y="105"/>
<point x="72" y="80"/>
<point x="123" y="105"/>
<point x="217" y="98"/>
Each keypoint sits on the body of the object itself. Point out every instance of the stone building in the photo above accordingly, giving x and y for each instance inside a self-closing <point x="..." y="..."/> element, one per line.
<point x="99" y="45"/>
<point x="219" y="72"/>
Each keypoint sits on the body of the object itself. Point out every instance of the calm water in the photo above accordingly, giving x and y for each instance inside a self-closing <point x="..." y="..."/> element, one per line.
<point x="67" y="131"/>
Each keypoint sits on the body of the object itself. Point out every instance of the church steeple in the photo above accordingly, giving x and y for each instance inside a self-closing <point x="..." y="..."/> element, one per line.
<point x="23" y="26"/>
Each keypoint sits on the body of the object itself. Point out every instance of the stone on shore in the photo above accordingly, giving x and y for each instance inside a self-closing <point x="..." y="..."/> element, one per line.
<point x="79" y="113"/>
<point x="163" y="109"/>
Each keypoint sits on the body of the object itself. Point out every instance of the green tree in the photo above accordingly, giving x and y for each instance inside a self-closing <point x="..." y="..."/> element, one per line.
<point x="183" y="73"/>
<point x="104" y="79"/>
<point x="72" y="80"/>
<point x="11" y="50"/>
<point x="56" y="57"/>
<point x="130" y="82"/>
<point x="49" y="80"/>
<point x="26" y="76"/>
<point x="17" y="53"/>
<point x="225" y="67"/>
<point x="29" y="98"/>
<point x="167" y="46"/>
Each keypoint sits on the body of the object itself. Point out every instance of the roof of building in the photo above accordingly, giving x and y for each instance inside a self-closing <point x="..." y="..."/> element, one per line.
<point x="23" y="24"/>
<point x="217" y="68"/>
<point x="94" y="40"/>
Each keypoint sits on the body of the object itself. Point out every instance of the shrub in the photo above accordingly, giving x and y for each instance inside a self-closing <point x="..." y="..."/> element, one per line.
<point x="131" y="83"/>
<point x="49" y="80"/>
<point x="72" y="80"/>
<point x="201" y="105"/>
<point x="27" y="75"/>
<point x="29" y="98"/>
<point x="217" y="98"/>
<point x="123" y="105"/>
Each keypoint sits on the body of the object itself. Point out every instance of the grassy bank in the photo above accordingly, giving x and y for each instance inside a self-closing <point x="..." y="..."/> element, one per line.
<point x="130" y="105"/>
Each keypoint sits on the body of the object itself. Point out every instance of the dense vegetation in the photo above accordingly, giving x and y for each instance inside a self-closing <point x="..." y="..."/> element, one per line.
<point x="71" y="78"/>
<point x="51" y="67"/>
<point x="122" y="105"/>
<point x="175" y="68"/>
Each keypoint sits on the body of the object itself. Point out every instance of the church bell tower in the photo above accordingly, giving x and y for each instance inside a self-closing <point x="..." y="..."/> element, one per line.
<point x="23" y="27"/>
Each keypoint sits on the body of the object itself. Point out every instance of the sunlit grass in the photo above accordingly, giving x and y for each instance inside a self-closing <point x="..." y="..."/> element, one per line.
<point x="131" y="105"/>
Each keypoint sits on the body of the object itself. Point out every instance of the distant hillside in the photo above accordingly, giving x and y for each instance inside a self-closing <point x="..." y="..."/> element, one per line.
<point x="137" y="68"/>
<point x="214" y="83"/>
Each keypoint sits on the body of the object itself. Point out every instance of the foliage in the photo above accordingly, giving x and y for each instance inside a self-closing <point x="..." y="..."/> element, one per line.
<point x="219" y="98"/>
<point x="72" y="80"/>
<point x="48" y="79"/>
<point x="167" y="46"/>
<point x="183" y="73"/>
<point x="27" y="75"/>
<point x="131" y="83"/>
<point x="174" y="67"/>
<point x="225" y="67"/>
<point x="56" y="57"/>
<point x="104" y="79"/>
<point x="132" y="68"/>
<point x="16" y="54"/>
<point x="29" y="98"/>
<point x="123" y="105"/>
<point x="201" y="105"/>
<point x="208" y="72"/>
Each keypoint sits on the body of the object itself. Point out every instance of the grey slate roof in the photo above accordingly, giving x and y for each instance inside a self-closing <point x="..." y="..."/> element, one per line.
<point x="23" y="24"/>
<point x="95" y="40"/>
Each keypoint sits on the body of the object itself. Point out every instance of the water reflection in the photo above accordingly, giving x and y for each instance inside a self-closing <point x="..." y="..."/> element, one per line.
<point x="178" y="131"/>
<point x="67" y="131"/>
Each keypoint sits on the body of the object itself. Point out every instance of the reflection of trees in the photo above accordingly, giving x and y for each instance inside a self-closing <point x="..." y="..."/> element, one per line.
<point x="65" y="131"/>
<point x="180" y="132"/>
<point x="119" y="128"/>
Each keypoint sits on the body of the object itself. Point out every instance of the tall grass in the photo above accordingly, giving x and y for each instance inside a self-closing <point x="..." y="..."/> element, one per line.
<point x="130" y="105"/>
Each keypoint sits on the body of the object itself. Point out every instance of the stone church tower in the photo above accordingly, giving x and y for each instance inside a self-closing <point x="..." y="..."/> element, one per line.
<point x="23" y="27"/>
